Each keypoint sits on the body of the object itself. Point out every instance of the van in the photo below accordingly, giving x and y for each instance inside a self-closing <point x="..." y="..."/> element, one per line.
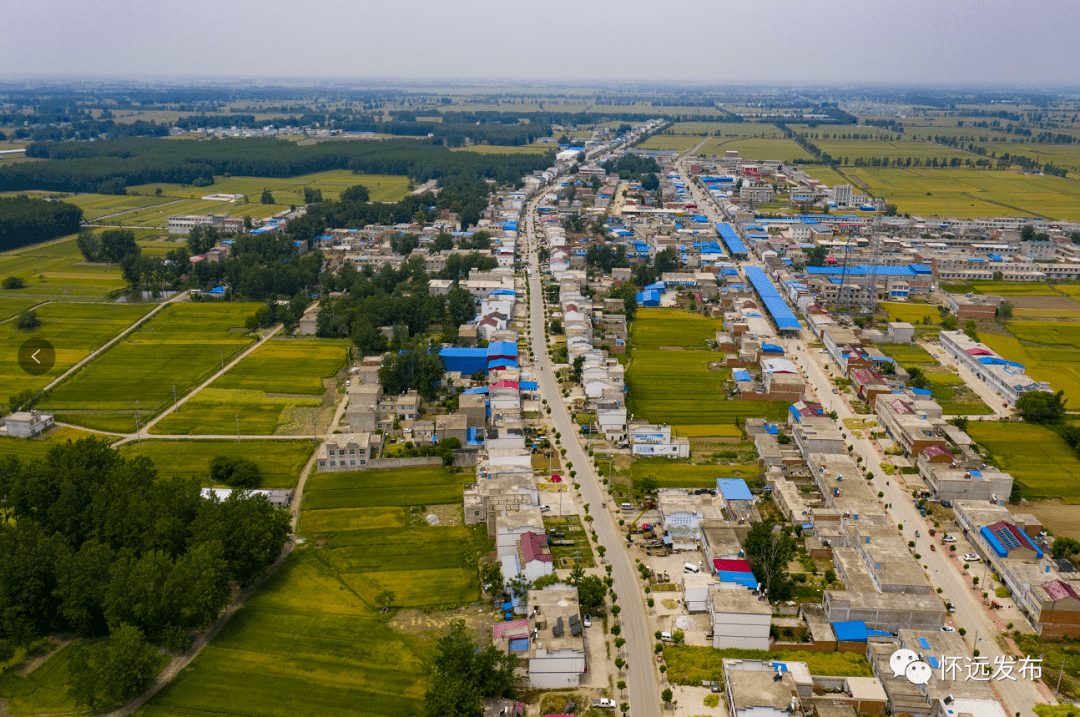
<point x="627" y="506"/>
<point x="665" y="637"/>
<point x="690" y="568"/>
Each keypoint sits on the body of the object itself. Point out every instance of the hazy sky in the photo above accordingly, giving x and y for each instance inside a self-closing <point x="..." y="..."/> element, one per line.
<point x="949" y="41"/>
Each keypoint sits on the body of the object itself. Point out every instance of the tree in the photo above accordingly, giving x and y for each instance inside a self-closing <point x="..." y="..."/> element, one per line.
<point x="443" y="242"/>
<point x="578" y="367"/>
<point x="678" y="637"/>
<point x="630" y="306"/>
<point x="234" y="471"/>
<point x="14" y="282"/>
<point x="460" y="305"/>
<point x="28" y="321"/>
<point x="648" y="483"/>
<point x="591" y="591"/>
<point x="816" y="256"/>
<point x="666" y="261"/>
<point x="667" y="695"/>
<point x="267" y="197"/>
<point x="1065" y="547"/>
<point x="949" y="323"/>
<point x="1041" y="406"/>
<point x="577" y="575"/>
<point x="650" y="181"/>
<point x="971" y="330"/>
<point x="771" y="551"/>
<point x="462" y="675"/>
<point x="112" y="672"/>
<point x="1005" y="311"/>
<point x="117" y="244"/>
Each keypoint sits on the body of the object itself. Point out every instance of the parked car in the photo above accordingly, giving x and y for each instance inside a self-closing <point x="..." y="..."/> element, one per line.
<point x="545" y="508"/>
<point x="972" y="558"/>
<point x="948" y="629"/>
<point x="948" y="539"/>
<point x="587" y="621"/>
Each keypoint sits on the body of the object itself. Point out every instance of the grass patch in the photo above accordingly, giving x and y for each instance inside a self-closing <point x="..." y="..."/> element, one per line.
<point x="912" y="313"/>
<point x="332" y="520"/>
<point x="1057" y="365"/>
<point x="1043" y="464"/>
<point x="718" y="431"/>
<point x="691" y="665"/>
<point x="280" y="462"/>
<point x="426" y="485"/>
<point x="32" y="449"/>
<point x="907" y="353"/>
<point x="286" y="191"/>
<point x="687" y="475"/>
<point x="179" y="347"/>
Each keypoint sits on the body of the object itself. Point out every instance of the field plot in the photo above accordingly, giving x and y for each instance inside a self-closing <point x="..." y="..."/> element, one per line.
<point x="907" y="353"/>
<point x="966" y="194"/>
<point x="157" y="217"/>
<point x="366" y="489"/>
<point x="311" y="641"/>
<point x="912" y="313"/>
<point x="1047" y="350"/>
<point x="677" y="142"/>
<point x="383" y="188"/>
<point x="179" y="346"/>
<point x="867" y="149"/>
<point x="279" y="462"/>
<point x="506" y="149"/>
<point x="1043" y="464"/>
<point x="677" y="386"/>
<point x="263" y="393"/>
<point x="1013" y="288"/>
<point x="829" y="176"/>
<point x="100" y="205"/>
<point x="778" y="147"/>
<point x="43" y="265"/>
<point x="74" y="330"/>
<point x="33" y="450"/>
<point x="687" y="475"/>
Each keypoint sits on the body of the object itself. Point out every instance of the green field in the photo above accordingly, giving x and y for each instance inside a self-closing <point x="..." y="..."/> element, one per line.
<point x="35" y="449"/>
<point x="1048" y="352"/>
<point x="690" y="665"/>
<point x="382" y="187"/>
<point x="507" y="149"/>
<point x="778" y="147"/>
<point x="368" y="489"/>
<point x="677" y="142"/>
<point x="178" y="347"/>
<point x="1012" y="288"/>
<point x="45" y="690"/>
<point x="263" y="392"/>
<point x="279" y="462"/>
<point x="907" y="353"/>
<point x="95" y="206"/>
<point x="691" y="431"/>
<point x="912" y="313"/>
<point x="1043" y="464"/>
<point x="867" y="149"/>
<point x="74" y="330"/>
<point x="686" y="475"/>
<point x="158" y="216"/>
<point x="676" y="386"/>
<point x="825" y="174"/>
<point x="967" y="193"/>
<point x="311" y="641"/>
<point x="54" y="272"/>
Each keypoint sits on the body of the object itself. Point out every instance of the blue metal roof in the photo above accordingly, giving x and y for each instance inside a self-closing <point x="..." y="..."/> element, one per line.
<point x="774" y="303"/>
<point x="734" y="489"/>
<point x="741" y="375"/>
<point x="731" y="239"/>
<point x="865" y="269"/>
<point x="850" y="631"/>
<point x="995" y="361"/>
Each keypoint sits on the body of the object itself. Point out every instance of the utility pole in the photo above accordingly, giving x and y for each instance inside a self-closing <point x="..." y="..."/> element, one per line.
<point x="176" y="406"/>
<point x="138" y="428"/>
<point x="314" y="427"/>
<point x="222" y="357"/>
<point x="1060" y="673"/>
<point x="238" y="428"/>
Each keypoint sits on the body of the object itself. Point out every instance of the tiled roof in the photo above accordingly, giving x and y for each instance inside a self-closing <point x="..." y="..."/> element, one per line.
<point x="514" y="628"/>
<point x="1058" y="590"/>
<point x="532" y="548"/>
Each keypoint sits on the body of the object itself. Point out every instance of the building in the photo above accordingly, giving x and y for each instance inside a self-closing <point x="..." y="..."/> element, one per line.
<point x="26" y="424"/>
<point x="649" y="440"/>
<point x="557" y="650"/>
<point x="908" y="422"/>
<point x="184" y="223"/>
<point x="1007" y="378"/>
<point x="276" y="498"/>
<point x="740" y="619"/>
<point x="344" y="452"/>
<point x="759" y="689"/>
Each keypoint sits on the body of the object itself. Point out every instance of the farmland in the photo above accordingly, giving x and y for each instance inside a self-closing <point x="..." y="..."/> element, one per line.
<point x="966" y="194"/>
<point x="686" y="475"/>
<point x="179" y="346"/>
<point x="37" y="449"/>
<point x="273" y="390"/>
<point x="1046" y="351"/>
<point x="912" y="313"/>
<point x="896" y="148"/>
<point x="681" y="143"/>
<point x="677" y="386"/>
<point x="367" y="489"/>
<point x="95" y="206"/>
<point x="73" y="329"/>
<point x="1042" y="463"/>
<point x="506" y="149"/>
<point x="311" y="641"/>
<point x="279" y="462"/>
<point x="54" y="271"/>
<point x="383" y="188"/>
<point x="778" y="147"/>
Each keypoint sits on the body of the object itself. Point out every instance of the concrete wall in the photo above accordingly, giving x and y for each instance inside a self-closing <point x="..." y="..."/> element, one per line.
<point x="418" y="461"/>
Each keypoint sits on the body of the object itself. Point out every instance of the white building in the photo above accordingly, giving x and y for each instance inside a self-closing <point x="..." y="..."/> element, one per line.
<point x="345" y="452"/>
<point x="739" y="619"/>
<point x="557" y="652"/>
<point x="1007" y="378"/>
<point x="25" y="424"/>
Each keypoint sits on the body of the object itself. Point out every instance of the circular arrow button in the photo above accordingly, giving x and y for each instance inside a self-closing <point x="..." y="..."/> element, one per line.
<point x="37" y="356"/>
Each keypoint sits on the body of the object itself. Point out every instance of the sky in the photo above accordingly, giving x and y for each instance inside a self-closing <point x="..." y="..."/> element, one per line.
<point x="1019" y="43"/>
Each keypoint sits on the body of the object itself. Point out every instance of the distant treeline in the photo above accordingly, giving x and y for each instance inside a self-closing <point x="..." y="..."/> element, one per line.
<point x="25" y="221"/>
<point x="109" y="166"/>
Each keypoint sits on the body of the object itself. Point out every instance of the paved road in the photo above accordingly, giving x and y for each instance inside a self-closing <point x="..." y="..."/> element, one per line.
<point x="641" y="678"/>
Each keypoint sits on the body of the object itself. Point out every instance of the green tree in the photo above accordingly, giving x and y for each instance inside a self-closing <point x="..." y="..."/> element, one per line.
<point x="949" y="323"/>
<point x="1005" y="310"/>
<point x="234" y="471"/>
<point x="28" y="321"/>
<point x="443" y="242"/>
<point x="771" y="551"/>
<point x="89" y="245"/>
<point x="666" y="261"/>
<point x="460" y="305"/>
<point x="197" y="589"/>
<point x="678" y="637"/>
<point x="971" y="330"/>
<point x="591" y="592"/>
<point x="462" y="675"/>
<point x="1065" y="547"/>
<point x="117" y="244"/>
<point x="667" y="695"/>
<point x="82" y="578"/>
<point x="816" y="256"/>
<point x="267" y="197"/>
<point x="112" y="672"/>
<point x="14" y="282"/>
<point x="1042" y="406"/>
<point x="577" y="575"/>
<point x="647" y="483"/>
<point x="578" y="367"/>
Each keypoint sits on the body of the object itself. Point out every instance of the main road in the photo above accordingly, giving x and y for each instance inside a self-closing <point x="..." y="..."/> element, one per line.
<point x="641" y="680"/>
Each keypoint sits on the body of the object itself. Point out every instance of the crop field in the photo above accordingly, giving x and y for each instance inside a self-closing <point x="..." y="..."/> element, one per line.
<point x="677" y="142"/>
<point x="178" y="347"/>
<point x="333" y="520"/>
<point x="912" y="313"/>
<point x="32" y="450"/>
<point x="686" y="475"/>
<point x="287" y="366"/>
<point x="222" y="412"/>
<point x="54" y="271"/>
<point x="852" y="149"/>
<point x="1046" y="332"/>
<point x="383" y="188"/>
<point x="825" y="174"/>
<point x="966" y="193"/>
<point x="158" y="216"/>
<point x="311" y="641"/>
<point x="279" y="462"/>
<point x="708" y="431"/>
<point x="1047" y="351"/>
<point x="507" y="149"/>
<point x="74" y="330"/>
<point x="778" y="147"/>
<point x="1043" y="464"/>
<point x="1013" y="288"/>
<point x="427" y="485"/>
<point x="907" y="353"/>
<point x="45" y="690"/>
<point x="99" y="205"/>
<point x="676" y="386"/>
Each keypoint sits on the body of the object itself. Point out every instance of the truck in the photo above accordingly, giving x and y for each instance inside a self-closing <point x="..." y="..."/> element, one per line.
<point x="604" y="703"/>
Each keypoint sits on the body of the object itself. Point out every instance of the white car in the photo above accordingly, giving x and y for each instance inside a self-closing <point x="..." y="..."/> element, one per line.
<point x="948" y="629"/>
<point x="972" y="558"/>
<point x="545" y="508"/>
<point x="948" y="539"/>
<point x="587" y="621"/>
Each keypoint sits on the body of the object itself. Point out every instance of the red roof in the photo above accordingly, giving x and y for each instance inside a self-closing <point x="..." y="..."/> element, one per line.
<point x="1058" y="590"/>
<point x="732" y="566"/>
<point x="512" y="629"/>
<point x="505" y="384"/>
<point x="532" y="548"/>
<point x="1020" y="536"/>
<point x="979" y="352"/>
<point x="932" y="451"/>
